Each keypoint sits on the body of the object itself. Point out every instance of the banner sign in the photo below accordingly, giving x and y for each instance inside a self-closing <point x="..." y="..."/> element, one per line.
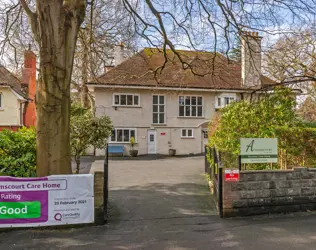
<point x="259" y="150"/>
<point x="231" y="175"/>
<point x="46" y="201"/>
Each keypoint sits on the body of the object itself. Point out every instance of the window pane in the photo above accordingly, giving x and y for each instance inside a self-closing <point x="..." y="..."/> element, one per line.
<point x="200" y="100"/>
<point x="155" y="108"/>
<point x="187" y="110"/>
<point x="219" y="102"/>
<point x="161" y="118"/>
<point x="117" y="99"/>
<point x="113" y="135"/>
<point x="119" y="135"/>
<point x="190" y="133"/>
<point x="136" y="100"/>
<point x="161" y="108"/>
<point x="181" y="100"/>
<point x="155" y="99"/>
<point x="187" y="100"/>
<point x="161" y="99"/>
<point x="193" y="110"/>
<point x="200" y="111"/>
<point x="193" y="100"/>
<point x="133" y="134"/>
<point x="181" y="111"/>
<point x="126" y="135"/>
<point x="152" y="137"/>
<point x="123" y="99"/>
<point x="129" y="100"/>
<point x="155" y="118"/>
<point x="226" y="100"/>
<point x="184" y="132"/>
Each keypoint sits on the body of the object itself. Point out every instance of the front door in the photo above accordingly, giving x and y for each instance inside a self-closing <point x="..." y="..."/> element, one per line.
<point x="151" y="141"/>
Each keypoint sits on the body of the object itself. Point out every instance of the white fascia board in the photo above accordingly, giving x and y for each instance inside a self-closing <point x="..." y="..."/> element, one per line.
<point x="167" y="88"/>
<point x="21" y="98"/>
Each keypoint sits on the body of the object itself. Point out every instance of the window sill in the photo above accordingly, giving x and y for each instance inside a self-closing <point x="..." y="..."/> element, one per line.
<point x="159" y="124"/>
<point x="123" y="142"/>
<point x="1" y="109"/>
<point x="125" y="106"/>
<point x="191" y="117"/>
<point x="187" y="137"/>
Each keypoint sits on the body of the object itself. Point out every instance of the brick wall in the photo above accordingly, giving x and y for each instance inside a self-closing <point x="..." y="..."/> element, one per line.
<point x="262" y="192"/>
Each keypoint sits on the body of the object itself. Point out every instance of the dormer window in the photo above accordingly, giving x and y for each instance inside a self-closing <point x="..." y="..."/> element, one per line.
<point x="223" y="100"/>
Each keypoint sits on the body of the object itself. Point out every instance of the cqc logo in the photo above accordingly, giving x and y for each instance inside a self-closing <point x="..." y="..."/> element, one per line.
<point x="58" y="217"/>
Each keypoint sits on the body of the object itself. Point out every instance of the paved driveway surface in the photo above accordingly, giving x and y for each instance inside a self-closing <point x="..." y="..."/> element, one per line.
<point x="164" y="204"/>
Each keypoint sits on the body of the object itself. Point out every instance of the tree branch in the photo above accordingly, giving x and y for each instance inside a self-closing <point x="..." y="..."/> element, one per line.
<point x="33" y="19"/>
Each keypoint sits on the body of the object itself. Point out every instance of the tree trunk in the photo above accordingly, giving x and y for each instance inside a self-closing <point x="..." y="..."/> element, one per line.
<point x="57" y="25"/>
<point x="77" y="159"/>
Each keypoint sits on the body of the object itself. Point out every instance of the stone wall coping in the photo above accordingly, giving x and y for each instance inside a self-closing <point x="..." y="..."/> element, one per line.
<point x="276" y="171"/>
<point x="265" y="171"/>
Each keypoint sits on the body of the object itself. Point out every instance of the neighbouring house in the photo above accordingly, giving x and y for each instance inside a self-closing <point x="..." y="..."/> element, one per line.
<point x="17" y="106"/>
<point x="171" y="109"/>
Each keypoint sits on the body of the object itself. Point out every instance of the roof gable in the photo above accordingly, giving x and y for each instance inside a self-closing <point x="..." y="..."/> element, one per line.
<point x="10" y="80"/>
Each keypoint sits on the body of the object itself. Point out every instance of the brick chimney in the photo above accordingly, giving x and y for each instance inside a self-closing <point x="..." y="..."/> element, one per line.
<point x="251" y="59"/>
<point x="29" y="79"/>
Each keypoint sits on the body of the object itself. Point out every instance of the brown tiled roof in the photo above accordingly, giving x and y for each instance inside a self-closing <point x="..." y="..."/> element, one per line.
<point x="209" y="70"/>
<point x="9" y="79"/>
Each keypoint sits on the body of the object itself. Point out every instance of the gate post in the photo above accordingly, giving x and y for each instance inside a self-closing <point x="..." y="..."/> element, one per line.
<point x="239" y="162"/>
<point x="220" y="185"/>
<point x="106" y="184"/>
<point x="205" y="160"/>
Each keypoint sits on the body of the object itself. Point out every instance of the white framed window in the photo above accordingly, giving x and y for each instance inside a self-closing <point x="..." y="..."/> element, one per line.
<point x="123" y="135"/>
<point x="129" y="100"/>
<point x="190" y="106"/>
<point x="187" y="133"/>
<point x="0" y="100"/>
<point x="159" y="109"/>
<point x="224" y="100"/>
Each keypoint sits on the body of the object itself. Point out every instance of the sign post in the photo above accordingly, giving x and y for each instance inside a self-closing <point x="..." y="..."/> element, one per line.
<point x="259" y="150"/>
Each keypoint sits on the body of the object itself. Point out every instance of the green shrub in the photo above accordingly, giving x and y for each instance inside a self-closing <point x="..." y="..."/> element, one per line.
<point x="18" y="153"/>
<point x="272" y="117"/>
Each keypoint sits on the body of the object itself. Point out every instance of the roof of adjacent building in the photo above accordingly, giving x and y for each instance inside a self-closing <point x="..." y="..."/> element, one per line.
<point x="9" y="79"/>
<point x="207" y="70"/>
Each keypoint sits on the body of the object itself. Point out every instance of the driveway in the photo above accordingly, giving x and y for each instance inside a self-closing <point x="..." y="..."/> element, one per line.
<point x="159" y="189"/>
<point x="164" y="204"/>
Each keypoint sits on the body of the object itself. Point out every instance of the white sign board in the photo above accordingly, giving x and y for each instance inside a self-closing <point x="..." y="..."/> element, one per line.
<point x="259" y="150"/>
<point x="46" y="201"/>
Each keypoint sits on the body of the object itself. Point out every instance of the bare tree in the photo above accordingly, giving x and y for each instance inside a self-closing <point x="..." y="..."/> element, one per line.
<point x="107" y="24"/>
<point x="293" y="58"/>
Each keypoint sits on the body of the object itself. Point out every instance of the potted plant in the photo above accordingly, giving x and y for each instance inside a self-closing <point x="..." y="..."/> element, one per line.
<point x="133" y="152"/>
<point x="172" y="152"/>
